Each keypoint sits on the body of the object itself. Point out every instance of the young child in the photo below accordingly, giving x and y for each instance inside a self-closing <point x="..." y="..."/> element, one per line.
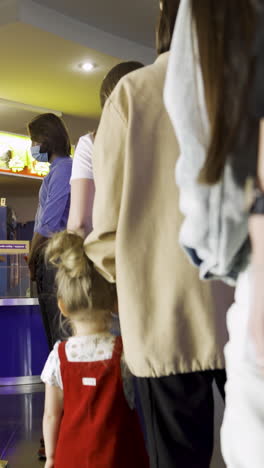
<point x="88" y="419"/>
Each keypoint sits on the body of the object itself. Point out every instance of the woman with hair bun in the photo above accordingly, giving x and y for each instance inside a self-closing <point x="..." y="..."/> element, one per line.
<point x="89" y="417"/>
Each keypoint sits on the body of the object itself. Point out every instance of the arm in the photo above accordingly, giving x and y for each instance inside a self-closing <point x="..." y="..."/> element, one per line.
<point x="53" y="412"/>
<point x="37" y="242"/>
<point x="256" y="229"/>
<point x="108" y="161"/>
<point x="81" y="208"/>
<point x="82" y="188"/>
<point x="55" y="204"/>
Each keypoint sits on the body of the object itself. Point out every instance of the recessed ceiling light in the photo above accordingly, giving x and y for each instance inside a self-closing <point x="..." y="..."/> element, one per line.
<point x="87" y="66"/>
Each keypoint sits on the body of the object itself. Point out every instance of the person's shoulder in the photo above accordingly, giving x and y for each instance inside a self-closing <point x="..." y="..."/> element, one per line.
<point x="56" y="347"/>
<point x="89" y="137"/>
<point x="128" y="83"/>
<point x="124" y="93"/>
<point x="66" y="164"/>
<point x="148" y="78"/>
<point x="62" y="162"/>
<point x="85" y="142"/>
<point x="140" y="83"/>
<point x="86" y="139"/>
<point x="54" y="353"/>
<point x="134" y="80"/>
<point x="61" y="171"/>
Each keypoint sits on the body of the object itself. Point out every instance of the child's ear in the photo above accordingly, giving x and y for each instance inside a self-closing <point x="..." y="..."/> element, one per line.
<point x="62" y="308"/>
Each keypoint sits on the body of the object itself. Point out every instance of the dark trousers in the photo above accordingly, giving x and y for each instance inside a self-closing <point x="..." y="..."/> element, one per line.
<point x="178" y="413"/>
<point x="46" y="287"/>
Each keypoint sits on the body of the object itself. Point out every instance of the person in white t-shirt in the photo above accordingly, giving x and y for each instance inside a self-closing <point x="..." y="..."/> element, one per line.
<point x="82" y="183"/>
<point x="82" y="187"/>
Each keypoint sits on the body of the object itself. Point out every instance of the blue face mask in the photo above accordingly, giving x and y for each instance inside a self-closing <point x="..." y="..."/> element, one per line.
<point x="36" y="154"/>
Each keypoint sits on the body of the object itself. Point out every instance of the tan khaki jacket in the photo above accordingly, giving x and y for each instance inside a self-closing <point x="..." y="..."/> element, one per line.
<point x="167" y="314"/>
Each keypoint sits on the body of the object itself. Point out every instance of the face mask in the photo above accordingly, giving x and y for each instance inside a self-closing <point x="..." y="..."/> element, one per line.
<point x="36" y="154"/>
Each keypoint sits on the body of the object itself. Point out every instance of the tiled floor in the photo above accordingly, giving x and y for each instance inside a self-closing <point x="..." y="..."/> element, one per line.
<point x="21" y="410"/>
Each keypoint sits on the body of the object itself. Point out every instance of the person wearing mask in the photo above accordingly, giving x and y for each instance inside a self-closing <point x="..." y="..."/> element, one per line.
<point x="50" y="143"/>
<point x="218" y="132"/>
<point x="82" y="180"/>
<point x="172" y="343"/>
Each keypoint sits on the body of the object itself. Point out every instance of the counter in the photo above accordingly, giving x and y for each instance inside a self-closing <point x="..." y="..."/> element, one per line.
<point x="23" y="344"/>
<point x="19" y="301"/>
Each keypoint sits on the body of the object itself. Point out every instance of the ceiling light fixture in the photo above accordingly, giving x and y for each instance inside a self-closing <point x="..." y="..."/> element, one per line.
<point x="87" y="66"/>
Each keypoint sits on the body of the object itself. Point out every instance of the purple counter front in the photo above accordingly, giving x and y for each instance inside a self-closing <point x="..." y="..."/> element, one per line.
<point x="23" y="344"/>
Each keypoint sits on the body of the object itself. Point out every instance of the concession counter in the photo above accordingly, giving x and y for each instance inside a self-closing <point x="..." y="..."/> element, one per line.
<point x="23" y="345"/>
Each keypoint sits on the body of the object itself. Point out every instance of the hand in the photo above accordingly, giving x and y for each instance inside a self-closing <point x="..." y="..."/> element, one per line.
<point x="49" y="463"/>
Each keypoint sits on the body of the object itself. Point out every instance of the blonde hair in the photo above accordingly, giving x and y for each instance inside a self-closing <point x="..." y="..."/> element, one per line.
<point x="80" y="287"/>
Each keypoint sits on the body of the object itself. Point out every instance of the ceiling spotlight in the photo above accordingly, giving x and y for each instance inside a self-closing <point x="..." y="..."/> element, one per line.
<point x="87" y="66"/>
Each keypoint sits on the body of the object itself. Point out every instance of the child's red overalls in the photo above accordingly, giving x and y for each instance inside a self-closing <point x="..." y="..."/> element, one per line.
<point x="98" y="429"/>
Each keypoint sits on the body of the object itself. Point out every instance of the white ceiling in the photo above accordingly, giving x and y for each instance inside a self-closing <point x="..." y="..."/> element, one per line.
<point x="42" y="43"/>
<point x="134" y="20"/>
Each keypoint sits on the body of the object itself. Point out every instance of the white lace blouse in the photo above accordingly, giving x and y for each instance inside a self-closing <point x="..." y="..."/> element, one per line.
<point x="91" y="348"/>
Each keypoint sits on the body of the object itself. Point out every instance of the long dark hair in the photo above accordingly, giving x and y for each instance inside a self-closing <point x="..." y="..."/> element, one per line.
<point x="166" y="22"/>
<point x="50" y="132"/>
<point x="225" y="32"/>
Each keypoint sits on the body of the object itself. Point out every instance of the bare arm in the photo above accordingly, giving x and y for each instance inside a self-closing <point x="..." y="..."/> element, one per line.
<point x="256" y="229"/>
<point x="82" y="198"/>
<point x="53" y="412"/>
<point x="108" y="161"/>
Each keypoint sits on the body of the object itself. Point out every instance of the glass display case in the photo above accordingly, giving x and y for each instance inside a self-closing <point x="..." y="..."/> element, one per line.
<point x="23" y="342"/>
<point x="14" y="273"/>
